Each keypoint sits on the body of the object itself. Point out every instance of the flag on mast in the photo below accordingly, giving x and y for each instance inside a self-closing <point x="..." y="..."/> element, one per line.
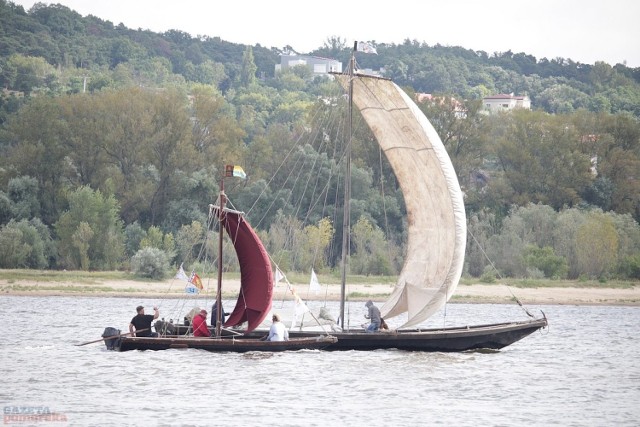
<point x="366" y="47"/>
<point x="314" y="285"/>
<point x="278" y="276"/>
<point x="181" y="275"/>
<point x="234" y="170"/>
<point x="299" y="309"/>
<point x="195" y="280"/>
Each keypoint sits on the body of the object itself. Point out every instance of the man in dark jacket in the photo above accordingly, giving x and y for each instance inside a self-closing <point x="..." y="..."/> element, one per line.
<point x="214" y="314"/>
<point x="373" y="316"/>
<point x="143" y="321"/>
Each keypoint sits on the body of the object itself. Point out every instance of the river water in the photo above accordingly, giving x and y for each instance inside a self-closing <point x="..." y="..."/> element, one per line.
<point x="584" y="370"/>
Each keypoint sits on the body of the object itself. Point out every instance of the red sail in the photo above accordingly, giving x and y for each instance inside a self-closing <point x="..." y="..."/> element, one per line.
<point x="256" y="277"/>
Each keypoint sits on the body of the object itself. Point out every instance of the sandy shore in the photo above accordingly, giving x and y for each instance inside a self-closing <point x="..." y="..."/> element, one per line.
<point x="477" y="293"/>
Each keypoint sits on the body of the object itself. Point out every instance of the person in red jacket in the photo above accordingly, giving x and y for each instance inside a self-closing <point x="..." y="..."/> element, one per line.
<point x="200" y="328"/>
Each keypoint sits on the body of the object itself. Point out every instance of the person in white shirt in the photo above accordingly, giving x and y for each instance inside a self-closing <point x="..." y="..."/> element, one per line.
<point x="277" y="332"/>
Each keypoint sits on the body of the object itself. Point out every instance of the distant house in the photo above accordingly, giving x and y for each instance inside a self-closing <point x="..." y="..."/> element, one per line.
<point x="317" y="65"/>
<point x="505" y="102"/>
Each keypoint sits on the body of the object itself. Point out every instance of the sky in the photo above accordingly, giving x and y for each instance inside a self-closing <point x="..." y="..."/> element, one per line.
<point x="585" y="31"/>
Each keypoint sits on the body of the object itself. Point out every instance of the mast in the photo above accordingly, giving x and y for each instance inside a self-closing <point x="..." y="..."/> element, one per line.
<point x="346" y="220"/>
<point x="220" y="236"/>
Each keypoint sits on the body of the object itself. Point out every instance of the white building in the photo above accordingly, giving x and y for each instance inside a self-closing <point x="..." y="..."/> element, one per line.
<point x="317" y="65"/>
<point x="505" y="102"/>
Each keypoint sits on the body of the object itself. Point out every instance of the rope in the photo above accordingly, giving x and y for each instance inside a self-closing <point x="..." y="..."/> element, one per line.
<point x="498" y="273"/>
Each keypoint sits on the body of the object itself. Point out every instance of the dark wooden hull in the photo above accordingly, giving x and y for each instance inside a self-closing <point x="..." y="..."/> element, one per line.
<point x="235" y="344"/>
<point x="493" y="336"/>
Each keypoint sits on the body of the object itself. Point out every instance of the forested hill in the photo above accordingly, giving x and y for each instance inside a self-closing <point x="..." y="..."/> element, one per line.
<point x="63" y="38"/>
<point x="112" y="143"/>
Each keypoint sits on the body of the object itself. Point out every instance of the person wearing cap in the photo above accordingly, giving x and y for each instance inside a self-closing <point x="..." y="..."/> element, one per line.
<point x="200" y="328"/>
<point x="374" y="317"/>
<point x="277" y="332"/>
<point x="142" y="322"/>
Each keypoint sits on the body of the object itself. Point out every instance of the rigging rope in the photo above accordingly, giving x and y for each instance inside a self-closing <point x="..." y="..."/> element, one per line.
<point x="498" y="273"/>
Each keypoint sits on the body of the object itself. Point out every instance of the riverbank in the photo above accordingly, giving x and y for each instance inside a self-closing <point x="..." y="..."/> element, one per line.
<point x="474" y="293"/>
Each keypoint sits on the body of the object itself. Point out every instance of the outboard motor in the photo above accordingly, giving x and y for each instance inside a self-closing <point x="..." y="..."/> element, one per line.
<point x="165" y="328"/>
<point x="111" y="343"/>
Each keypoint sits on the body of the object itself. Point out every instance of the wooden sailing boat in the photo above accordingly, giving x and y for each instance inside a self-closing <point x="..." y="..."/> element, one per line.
<point x="254" y="299"/>
<point x="436" y="228"/>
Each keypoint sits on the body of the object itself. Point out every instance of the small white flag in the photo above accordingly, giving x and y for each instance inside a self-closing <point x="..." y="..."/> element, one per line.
<point x="279" y="275"/>
<point x="365" y="47"/>
<point x="299" y="309"/>
<point x="181" y="274"/>
<point x="314" y="285"/>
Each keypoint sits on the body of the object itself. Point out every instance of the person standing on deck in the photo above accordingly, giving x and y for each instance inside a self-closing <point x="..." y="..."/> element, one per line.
<point x="214" y="314"/>
<point x="373" y="316"/>
<point x="143" y="321"/>
<point x="200" y="328"/>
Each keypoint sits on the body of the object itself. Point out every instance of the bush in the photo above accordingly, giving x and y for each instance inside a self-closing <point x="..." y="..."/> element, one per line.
<point x="150" y="262"/>
<point x="629" y="267"/>
<point x="488" y="275"/>
<point x="546" y="261"/>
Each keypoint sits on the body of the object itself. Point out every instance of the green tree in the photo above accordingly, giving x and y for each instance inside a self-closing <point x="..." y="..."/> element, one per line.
<point x="23" y="192"/>
<point x="13" y="249"/>
<point x="92" y="223"/>
<point x="568" y="223"/>
<point x="545" y="260"/>
<point x="370" y="255"/>
<point x="215" y="131"/>
<point x="39" y="152"/>
<point x="150" y="262"/>
<point x="81" y="239"/>
<point x="316" y="243"/>
<point x="134" y="234"/>
<point x="25" y="244"/>
<point x="26" y="73"/>
<point x="597" y="246"/>
<point x="541" y="159"/>
<point x="155" y="238"/>
<point x="283" y="240"/>
<point x="463" y="130"/>
<point x="248" y="73"/>
<point x="189" y="241"/>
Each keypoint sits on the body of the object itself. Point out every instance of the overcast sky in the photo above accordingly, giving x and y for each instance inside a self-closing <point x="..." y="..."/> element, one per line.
<point x="582" y="30"/>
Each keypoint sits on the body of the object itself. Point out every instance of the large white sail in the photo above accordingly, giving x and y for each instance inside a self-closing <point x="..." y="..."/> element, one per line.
<point x="436" y="217"/>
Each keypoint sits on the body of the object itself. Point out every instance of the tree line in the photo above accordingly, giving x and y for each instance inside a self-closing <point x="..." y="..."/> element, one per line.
<point x="113" y="165"/>
<point x="54" y="49"/>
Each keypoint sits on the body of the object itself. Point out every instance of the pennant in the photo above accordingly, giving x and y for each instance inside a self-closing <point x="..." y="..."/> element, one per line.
<point x="235" y="171"/>
<point x="195" y="280"/>
<point x="366" y="48"/>
<point x="314" y="285"/>
<point x="299" y="309"/>
<point x="181" y="275"/>
<point x="278" y="276"/>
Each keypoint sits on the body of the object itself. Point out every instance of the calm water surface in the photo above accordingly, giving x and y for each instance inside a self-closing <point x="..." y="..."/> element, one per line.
<point x="583" y="371"/>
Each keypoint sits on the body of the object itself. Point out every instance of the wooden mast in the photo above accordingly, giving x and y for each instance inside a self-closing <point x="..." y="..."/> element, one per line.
<point x="220" y="237"/>
<point x="346" y="219"/>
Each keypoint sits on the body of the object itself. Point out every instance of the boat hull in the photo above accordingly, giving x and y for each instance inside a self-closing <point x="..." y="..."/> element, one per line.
<point x="494" y="336"/>
<point x="235" y="344"/>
